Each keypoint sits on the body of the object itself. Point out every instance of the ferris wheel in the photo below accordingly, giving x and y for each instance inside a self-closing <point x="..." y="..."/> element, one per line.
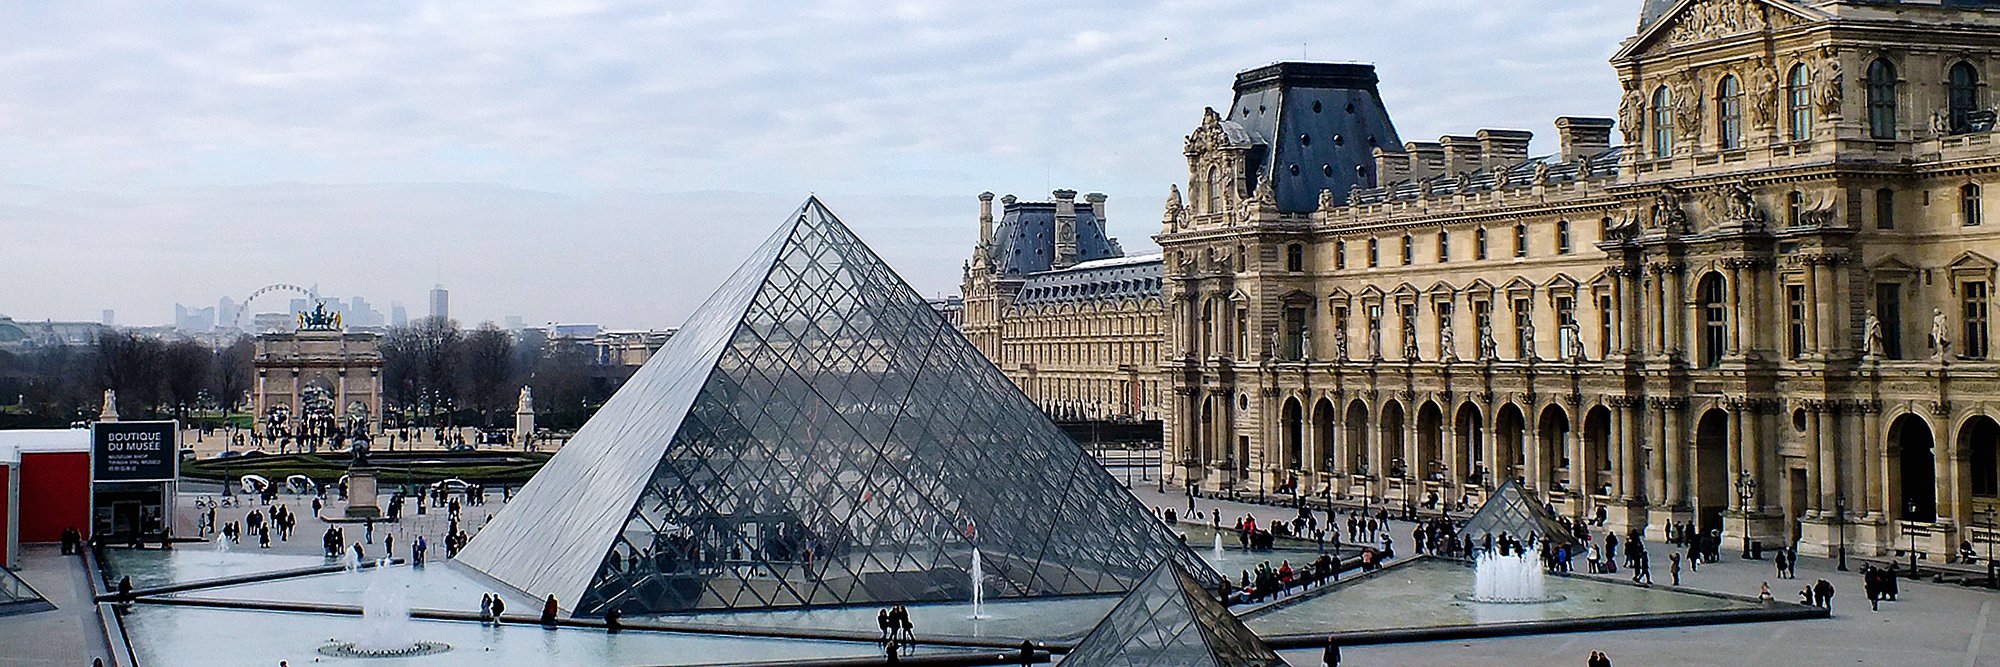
<point x="245" y="307"/>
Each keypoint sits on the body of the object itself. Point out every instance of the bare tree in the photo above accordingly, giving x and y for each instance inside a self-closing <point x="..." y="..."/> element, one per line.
<point x="184" y="370"/>
<point x="489" y="370"/>
<point x="234" y="367"/>
<point x="421" y="364"/>
<point x="132" y="365"/>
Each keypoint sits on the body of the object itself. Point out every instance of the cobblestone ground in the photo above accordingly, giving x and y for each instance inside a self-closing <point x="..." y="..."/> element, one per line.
<point x="1929" y="624"/>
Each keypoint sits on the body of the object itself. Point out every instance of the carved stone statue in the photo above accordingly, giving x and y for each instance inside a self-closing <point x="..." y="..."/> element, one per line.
<point x="527" y="402"/>
<point x="1528" y="342"/>
<point x="1326" y="200"/>
<point x="1375" y="340"/>
<point x="1941" y="123"/>
<point x="109" y="411"/>
<point x="1763" y="96"/>
<point x="1829" y="88"/>
<point x="1340" y="343"/>
<point x="1871" y="337"/>
<point x="1667" y="212"/>
<point x="1541" y="173"/>
<point x="1489" y="348"/>
<point x="1743" y="204"/>
<point x="1687" y="107"/>
<point x="1465" y="183"/>
<point x="1172" y="218"/>
<point x="1410" y="351"/>
<point x="1940" y="335"/>
<point x="1632" y="114"/>
<point x="1572" y="340"/>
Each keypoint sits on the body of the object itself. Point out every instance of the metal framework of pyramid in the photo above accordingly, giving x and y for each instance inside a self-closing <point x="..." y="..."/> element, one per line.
<point x="818" y="435"/>
<point x="1511" y="511"/>
<point x="1170" y="620"/>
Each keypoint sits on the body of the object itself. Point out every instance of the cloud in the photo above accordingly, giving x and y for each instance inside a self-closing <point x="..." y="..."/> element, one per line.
<point x="241" y="127"/>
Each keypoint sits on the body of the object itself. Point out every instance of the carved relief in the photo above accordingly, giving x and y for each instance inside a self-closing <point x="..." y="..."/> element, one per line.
<point x="1687" y="107"/>
<point x="1829" y="87"/>
<point x="1632" y="113"/>
<point x="1763" y="95"/>
<point x="1716" y="18"/>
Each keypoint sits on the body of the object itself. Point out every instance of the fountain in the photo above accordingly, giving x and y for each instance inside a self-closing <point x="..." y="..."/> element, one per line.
<point x="978" y="587"/>
<point x="1511" y="579"/>
<point x="221" y="550"/>
<point x="385" y="624"/>
<point x="1218" y="546"/>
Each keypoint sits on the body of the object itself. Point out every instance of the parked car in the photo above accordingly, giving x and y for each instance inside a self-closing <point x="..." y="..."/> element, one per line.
<point x="450" y="486"/>
<point x="253" y="484"/>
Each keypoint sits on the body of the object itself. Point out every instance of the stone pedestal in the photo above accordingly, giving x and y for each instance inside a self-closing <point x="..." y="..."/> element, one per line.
<point x="1762" y="528"/>
<point x="1623" y="516"/>
<point x="361" y="493"/>
<point x="1658" y="518"/>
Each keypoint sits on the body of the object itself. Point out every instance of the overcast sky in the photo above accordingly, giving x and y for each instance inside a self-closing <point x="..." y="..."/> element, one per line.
<point x="610" y="162"/>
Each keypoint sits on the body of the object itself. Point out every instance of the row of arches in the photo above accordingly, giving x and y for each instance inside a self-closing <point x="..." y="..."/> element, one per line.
<point x="1387" y="441"/>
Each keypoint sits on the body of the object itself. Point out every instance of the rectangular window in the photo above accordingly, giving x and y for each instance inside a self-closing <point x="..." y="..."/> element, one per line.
<point x="1242" y="333"/>
<point x="1374" y="253"/>
<point x="1479" y="245"/>
<point x="1520" y="240"/>
<point x="1795" y="319"/>
<point x="1409" y="252"/>
<point x="1523" y="320"/>
<point x="1444" y="324"/>
<point x="1339" y="323"/>
<point x="1889" y="314"/>
<point x="1340" y="254"/>
<point x="1295" y="258"/>
<point x="1604" y="322"/>
<point x="1968" y="205"/>
<point x="1408" y="313"/>
<point x="1975" y="298"/>
<point x="1885" y="209"/>
<point x="1562" y="238"/>
<point x="1444" y="247"/>
<point x="1567" y="343"/>
<point x="1295" y="333"/>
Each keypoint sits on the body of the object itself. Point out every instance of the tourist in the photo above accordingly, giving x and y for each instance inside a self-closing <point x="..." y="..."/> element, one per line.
<point x="1674" y="566"/>
<point x="1823" y="592"/>
<point x="882" y="622"/>
<point x="1591" y="558"/>
<point x="1764" y="592"/>
<point x="1598" y="659"/>
<point x="485" y="607"/>
<point x="499" y="607"/>
<point x="612" y="621"/>
<point x="1332" y="654"/>
<point x="549" y="612"/>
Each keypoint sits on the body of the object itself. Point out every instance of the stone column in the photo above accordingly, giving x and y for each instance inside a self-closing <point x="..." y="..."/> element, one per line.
<point x="1735" y="456"/>
<point x="1814" y="309"/>
<point x="1814" y="461"/>
<point x="1676" y="441"/>
<point x="1657" y="472"/>
<point x="1876" y="488"/>
<point x="1626" y="435"/>
<point x="1489" y="446"/>
<point x="1675" y="306"/>
<point x="1656" y="333"/>
<point x="1735" y="317"/>
<point x="1753" y="446"/>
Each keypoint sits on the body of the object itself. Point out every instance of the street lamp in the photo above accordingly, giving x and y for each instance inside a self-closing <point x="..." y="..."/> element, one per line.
<point x="1987" y="515"/>
<point x="1909" y="515"/>
<point x="1840" y="513"/>
<point x="1746" y="490"/>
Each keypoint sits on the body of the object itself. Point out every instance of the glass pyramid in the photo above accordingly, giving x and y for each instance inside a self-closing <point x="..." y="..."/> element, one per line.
<point x="817" y="435"/>
<point x="1171" y="620"/>
<point x="1511" y="511"/>
<point x="16" y="597"/>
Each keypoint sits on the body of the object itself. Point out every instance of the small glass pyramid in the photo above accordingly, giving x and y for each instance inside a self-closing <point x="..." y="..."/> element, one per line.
<point x="1512" y="512"/>
<point x="1171" y="620"/>
<point x="818" y="435"/>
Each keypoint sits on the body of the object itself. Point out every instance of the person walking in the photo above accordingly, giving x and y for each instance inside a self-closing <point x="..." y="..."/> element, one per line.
<point x="1823" y="594"/>
<point x="549" y="612"/>
<point x="1598" y="659"/>
<point x="1331" y="657"/>
<point x="1674" y="566"/>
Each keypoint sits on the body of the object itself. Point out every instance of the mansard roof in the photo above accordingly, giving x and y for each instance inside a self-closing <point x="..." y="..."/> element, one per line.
<point x="1024" y="238"/>
<point x="1317" y="124"/>
<point x="1117" y="279"/>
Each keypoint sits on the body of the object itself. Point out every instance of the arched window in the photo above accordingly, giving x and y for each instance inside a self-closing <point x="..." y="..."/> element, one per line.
<point x="1295" y="257"/>
<point x="1214" y="189"/>
<point x="1714" y="297"/>
<point x="1729" y="116"/>
<point x="1521" y="240"/>
<point x="1882" y="100"/>
<point x="1798" y="95"/>
<point x="1964" y="96"/>
<point x="1968" y="205"/>
<point x="1663" y="123"/>
<point x="1562" y="237"/>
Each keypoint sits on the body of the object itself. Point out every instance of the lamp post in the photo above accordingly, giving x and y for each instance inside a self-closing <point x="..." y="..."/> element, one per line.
<point x="1840" y="514"/>
<point x="1746" y="491"/>
<point x="1909" y="512"/>
<point x="1986" y="516"/>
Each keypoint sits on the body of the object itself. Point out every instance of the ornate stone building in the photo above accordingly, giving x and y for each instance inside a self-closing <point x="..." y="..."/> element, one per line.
<point x="1766" y="309"/>
<point x="1052" y="299"/>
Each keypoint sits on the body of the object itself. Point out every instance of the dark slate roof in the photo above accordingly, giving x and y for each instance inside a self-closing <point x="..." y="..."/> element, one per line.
<point x="1602" y="165"/>
<point x="1024" y="238"/>
<point x="1103" y="280"/>
<point x="1314" y="126"/>
<point x="1653" y="10"/>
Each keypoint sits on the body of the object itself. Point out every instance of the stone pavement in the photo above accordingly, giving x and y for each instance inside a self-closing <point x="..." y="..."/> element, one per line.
<point x="1930" y="624"/>
<point x="69" y="635"/>
<point x="305" y="539"/>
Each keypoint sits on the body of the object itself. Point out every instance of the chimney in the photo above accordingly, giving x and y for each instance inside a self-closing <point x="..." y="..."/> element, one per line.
<point x="1065" y="229"/>
<point x="1390" y="167"/>
<point x="1461" y="154"/>
<point x="1426" y="159"/>
<point x="1096" y="200"/>
<point x="1583" y="137"/>
<point x="985" y="219"/>
<point x="1504" y="148"/>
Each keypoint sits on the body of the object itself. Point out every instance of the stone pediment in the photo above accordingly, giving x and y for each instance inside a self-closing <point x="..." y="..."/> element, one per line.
<point x="1695" y="21"/>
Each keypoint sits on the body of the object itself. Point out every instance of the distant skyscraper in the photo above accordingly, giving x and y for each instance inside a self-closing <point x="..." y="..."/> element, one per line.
<point x="398" y="316"/>
<point x="110" y="317"/>
<point x="360" y="314"/>
<point x="225" y="312"/>
<point x="440" y="302"/>
<point x="194" y="320"/>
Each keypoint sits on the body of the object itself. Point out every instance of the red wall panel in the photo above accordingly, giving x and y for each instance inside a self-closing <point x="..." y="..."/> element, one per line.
<point x="3" y="512"/>
<point x="55" y="494"/>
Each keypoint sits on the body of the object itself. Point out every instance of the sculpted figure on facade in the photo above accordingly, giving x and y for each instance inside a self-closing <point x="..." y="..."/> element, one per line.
<point x="1410" y="351"/>
<point x="1940" y="335"/>
<point x="1447" y="348"/>
<point x="1175" y="211"/>
<point x="1528" y="352"/>
<point x="1325" y="200"/>
<point x="1666" y="211"/>
<point x="1489" y="348"/>
<point x="1941" y="123"/>
<point x="1632" y="113"/>
<point x="1763" y="95"/>
<point x="1340" y="343"/>
<point x="1828" y="87"/>
<point x="1687" y="106"/>
<point x="1572" y="340"/>
<point x="1743" y="204"/>
<point x="1375" y="340"/>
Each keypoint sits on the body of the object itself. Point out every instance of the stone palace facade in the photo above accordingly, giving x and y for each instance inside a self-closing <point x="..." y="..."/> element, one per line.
<point x="1759" y="299"/>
